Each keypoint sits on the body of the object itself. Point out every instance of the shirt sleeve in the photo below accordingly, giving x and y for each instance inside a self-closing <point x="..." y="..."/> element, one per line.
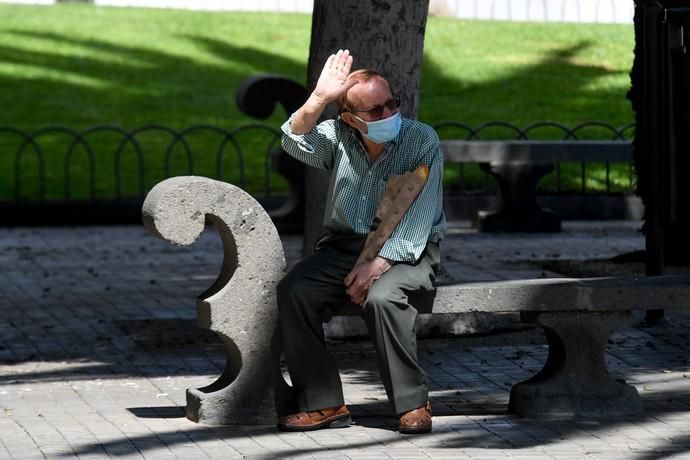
<point x="316" y="148"/>
<point x="408" y="240"/>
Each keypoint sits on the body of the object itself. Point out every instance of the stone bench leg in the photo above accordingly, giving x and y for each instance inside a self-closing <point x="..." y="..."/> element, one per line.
<point x="518" y="210"/>
<point x="240" y="307"/>
<point x="574" y="381"/>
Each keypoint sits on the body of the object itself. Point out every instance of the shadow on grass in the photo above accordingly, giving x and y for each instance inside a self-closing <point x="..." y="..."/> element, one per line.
<point x="134" y="82"/>
<point x="134" y="85"/>
<point x="557" y="88"/>
<point x="137" y="81"/>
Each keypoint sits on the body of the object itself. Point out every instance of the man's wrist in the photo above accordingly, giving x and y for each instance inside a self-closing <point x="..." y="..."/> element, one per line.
<point x="384" y="263"/>
<point x="306" y="117"/>
<point x="317" y="101"/>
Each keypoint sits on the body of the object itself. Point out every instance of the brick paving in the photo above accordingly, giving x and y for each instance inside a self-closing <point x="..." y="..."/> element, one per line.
<point x="98" y="344"/>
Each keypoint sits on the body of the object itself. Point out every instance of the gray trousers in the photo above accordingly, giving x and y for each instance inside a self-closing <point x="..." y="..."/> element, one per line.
<point x="306" y="297"/>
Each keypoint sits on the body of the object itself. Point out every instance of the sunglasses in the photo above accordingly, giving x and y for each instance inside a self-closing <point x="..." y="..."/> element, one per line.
<point x="376" y="112"/>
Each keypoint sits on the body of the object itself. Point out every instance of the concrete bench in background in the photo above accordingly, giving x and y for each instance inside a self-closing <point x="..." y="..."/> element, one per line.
<point x="578" y="315"/>
<point x="518" y="166"/>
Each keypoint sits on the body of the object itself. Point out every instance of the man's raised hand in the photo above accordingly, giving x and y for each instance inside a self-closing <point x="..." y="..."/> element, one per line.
<point x="333" y="79"/>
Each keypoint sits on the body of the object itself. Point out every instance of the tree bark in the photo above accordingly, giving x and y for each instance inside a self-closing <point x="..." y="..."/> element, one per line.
<point x="385" y="35"/>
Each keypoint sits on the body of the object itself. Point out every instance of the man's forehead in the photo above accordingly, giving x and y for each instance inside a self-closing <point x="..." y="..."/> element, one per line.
<point x="373" y="89"/>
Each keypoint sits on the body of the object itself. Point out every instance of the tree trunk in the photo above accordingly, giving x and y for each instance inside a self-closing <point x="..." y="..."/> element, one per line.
<point x="385" y="35"/>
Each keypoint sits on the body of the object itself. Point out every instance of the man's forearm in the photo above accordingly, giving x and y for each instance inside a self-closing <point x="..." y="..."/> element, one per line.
<point x="308" y="115"/>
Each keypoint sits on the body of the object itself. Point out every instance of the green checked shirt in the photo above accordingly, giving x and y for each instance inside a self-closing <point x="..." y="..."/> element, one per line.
<point x="356" y="187"/>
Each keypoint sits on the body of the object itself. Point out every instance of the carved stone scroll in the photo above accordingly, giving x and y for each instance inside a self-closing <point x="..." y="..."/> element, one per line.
<point x="240" y="305"/>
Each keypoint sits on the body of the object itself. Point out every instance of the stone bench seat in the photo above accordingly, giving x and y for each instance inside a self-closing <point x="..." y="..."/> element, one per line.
<point x="577" y="315"/>
<point x="535" y="151"/>
<point x="621" y="293"/>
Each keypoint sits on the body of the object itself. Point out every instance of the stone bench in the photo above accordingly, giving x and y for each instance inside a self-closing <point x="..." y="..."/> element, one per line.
<point x="518" y="166"/>
<point x="578" y="315"/>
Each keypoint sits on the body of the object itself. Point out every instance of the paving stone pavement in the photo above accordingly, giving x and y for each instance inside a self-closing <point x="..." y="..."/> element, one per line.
<point x="98" y="344"/>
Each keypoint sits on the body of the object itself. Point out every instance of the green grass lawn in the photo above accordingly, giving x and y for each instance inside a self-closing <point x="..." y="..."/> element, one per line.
<point x="81" y="65"/>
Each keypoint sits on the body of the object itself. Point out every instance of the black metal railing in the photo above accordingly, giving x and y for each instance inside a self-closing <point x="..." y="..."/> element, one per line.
<point x="30" y="142"/>
<point x="251" y="147"/>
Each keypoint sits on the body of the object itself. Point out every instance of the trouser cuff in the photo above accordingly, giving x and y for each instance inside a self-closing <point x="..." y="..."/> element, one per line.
<point x="320" y="401"/>
<point x="410" y="402"/>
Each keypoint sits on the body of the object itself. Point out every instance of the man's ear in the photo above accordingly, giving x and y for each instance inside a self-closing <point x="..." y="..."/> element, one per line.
<point x="350" y="119"/>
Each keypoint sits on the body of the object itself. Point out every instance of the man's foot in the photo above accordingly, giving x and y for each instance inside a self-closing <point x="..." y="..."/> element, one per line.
<point x="331" y="417"/>
<point x="416" y="421"/>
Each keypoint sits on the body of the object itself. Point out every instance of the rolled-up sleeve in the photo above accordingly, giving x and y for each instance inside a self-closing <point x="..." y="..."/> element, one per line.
<point x="315" y="148"/>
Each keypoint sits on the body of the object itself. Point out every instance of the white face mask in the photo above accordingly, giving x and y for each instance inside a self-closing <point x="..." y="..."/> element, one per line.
<point x="381" y="131"/>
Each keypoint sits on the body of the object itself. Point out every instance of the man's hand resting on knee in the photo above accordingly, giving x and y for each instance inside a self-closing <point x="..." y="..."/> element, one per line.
<point x="362" y="276"/>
